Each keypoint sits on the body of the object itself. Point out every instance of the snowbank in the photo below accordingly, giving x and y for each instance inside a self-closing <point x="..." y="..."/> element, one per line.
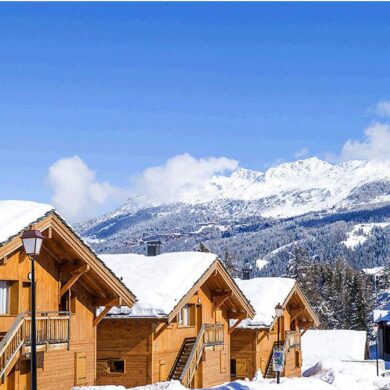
<point x="16" y="215"/>
<point x="320" y="345"/>
<point x="264" y="294"/>
<point x="330" y="375"/>
<point x="159" y="282"/>
<point x="99" y="388"/>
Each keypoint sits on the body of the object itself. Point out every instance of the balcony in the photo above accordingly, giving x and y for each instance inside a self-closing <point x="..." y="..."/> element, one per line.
<point x="52" y="333"/>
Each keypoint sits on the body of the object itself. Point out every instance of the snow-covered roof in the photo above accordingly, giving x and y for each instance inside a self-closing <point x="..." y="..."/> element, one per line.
<point x="264" y="294"/>
<point x="340" y="344"/>
<point x="16" y="215"/>
<point x="377" y="271"/>
<point x="159" y="282"/>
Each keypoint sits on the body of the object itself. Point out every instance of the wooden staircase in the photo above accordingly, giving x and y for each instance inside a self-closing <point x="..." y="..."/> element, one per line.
<point x="50" y="329"/>
<point x="292" y="340"/>
<point x="191" y="352"/>
<point x="182" y="358"/>
<point x="269" y="372"/>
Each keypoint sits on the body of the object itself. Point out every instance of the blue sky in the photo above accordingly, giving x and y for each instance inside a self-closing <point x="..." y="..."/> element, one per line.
<point x="128" y="86"/>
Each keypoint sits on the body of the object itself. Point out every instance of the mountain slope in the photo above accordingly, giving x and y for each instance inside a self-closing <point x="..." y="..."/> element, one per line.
<point x="310" y="202"/>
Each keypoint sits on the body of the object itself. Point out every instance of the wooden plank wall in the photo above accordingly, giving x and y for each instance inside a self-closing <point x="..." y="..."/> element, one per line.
<point x="251" y="348"/>
<point x="150" y="347"/>
<point x="56" y="369"/>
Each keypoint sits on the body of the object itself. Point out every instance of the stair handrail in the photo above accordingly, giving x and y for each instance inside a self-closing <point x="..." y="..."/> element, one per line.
<point x="14" y="338"/>
<point x="183" y="345"/>
<point x="198" y="348"/>
<point x="19" y="334"/>
<point x="270" y="358"/>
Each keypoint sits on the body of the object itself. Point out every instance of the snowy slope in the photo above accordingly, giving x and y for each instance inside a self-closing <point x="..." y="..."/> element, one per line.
<point x="15" y="215"/>
<point x="361" y="232"/>
<point x="159" y="282"/>
<point x="264" y="294"/>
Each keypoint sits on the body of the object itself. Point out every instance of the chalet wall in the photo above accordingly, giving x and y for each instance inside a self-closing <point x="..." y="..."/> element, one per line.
<point x="130" y="340"/>
<point x="56" y="369"/>
<point x="17" y="270"/>
<point x="150" y="347"/>
<point x="252" y="349"/>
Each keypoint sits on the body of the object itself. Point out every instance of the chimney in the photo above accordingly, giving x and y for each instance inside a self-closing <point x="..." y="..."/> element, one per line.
<point x="153" y="248"/>
<point x="246" y="273"/>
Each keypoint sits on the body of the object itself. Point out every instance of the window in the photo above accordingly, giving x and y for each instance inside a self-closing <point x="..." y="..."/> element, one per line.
<point x="186" y="316"/>
<point x="233" y="367"/>
<point x="4" y="296"/>
<point x="117" y="366"/>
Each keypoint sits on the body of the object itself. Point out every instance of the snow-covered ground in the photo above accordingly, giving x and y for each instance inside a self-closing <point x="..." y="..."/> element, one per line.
<point x="327" y="375"/>
<point x="340" y="344"/>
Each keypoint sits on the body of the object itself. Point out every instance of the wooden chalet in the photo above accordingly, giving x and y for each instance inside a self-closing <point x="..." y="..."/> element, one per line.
<point x="71" y="282"/>
<point x="253" y="340"/>
<point x="178" y="329"/>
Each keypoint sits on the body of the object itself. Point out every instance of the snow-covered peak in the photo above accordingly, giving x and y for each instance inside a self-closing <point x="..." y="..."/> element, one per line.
<point x="307" y="168"/>
<point x="286" y="190"/>
<point x="247" y="174"/>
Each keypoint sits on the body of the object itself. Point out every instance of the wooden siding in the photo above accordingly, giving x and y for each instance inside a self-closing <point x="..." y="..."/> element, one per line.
<point x="149" y="347"/>
<point x="58" y="369"/>
<point x="251" y="348"/>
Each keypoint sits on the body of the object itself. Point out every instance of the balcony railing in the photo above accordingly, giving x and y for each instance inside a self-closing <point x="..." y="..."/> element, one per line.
<point x="51" y="328"/>
<point x="209" y="335"/>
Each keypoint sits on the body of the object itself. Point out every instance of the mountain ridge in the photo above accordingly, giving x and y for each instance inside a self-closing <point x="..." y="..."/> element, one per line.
<point x="252" y="213"/>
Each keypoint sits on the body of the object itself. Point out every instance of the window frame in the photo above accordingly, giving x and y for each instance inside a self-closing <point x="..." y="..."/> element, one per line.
<point x="8" y="303"/>
<point x="185" y="316"/>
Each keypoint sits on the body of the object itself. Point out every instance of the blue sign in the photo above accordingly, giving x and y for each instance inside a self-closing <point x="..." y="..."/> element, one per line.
<point x="278" y="359"/>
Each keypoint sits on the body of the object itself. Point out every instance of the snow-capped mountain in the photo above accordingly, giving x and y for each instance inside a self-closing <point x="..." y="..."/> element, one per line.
<point x="232" y="212"/>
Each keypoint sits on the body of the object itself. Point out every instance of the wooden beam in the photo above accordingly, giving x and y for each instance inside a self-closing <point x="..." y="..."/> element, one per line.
<point x="220" y="293"/>
<point x="70" y="268"/>
<point x="101" y="315"/>
<point x="296" y="315"/>
<point x="4" y="260"/>
<point x="235" y="325"/>
<point x="114" y="301"/>
<point x="223" y="299"/>
<point x="81" y="270"/>
<point x="105" y="311"/>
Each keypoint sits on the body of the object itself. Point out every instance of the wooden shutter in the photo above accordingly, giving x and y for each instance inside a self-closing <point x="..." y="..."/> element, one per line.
<point x="223" y="359"/>
<point x="241" y="367"/>
<point x="218" y="316"/>
<point x="162" y="371"/>
<point x="80" y="377"/>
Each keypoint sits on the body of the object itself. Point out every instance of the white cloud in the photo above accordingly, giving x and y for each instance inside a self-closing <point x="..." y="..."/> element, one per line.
<point x="382" y="108"/>
<point x="76" y="193"/>
<point x="375" y="145"/>
<point x="181" y="178"/>
<point x="301" y="153"/>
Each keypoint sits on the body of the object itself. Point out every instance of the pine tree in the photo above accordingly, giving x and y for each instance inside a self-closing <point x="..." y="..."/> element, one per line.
<point x="203" y="248"/>
<point x="231" y="265"/>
